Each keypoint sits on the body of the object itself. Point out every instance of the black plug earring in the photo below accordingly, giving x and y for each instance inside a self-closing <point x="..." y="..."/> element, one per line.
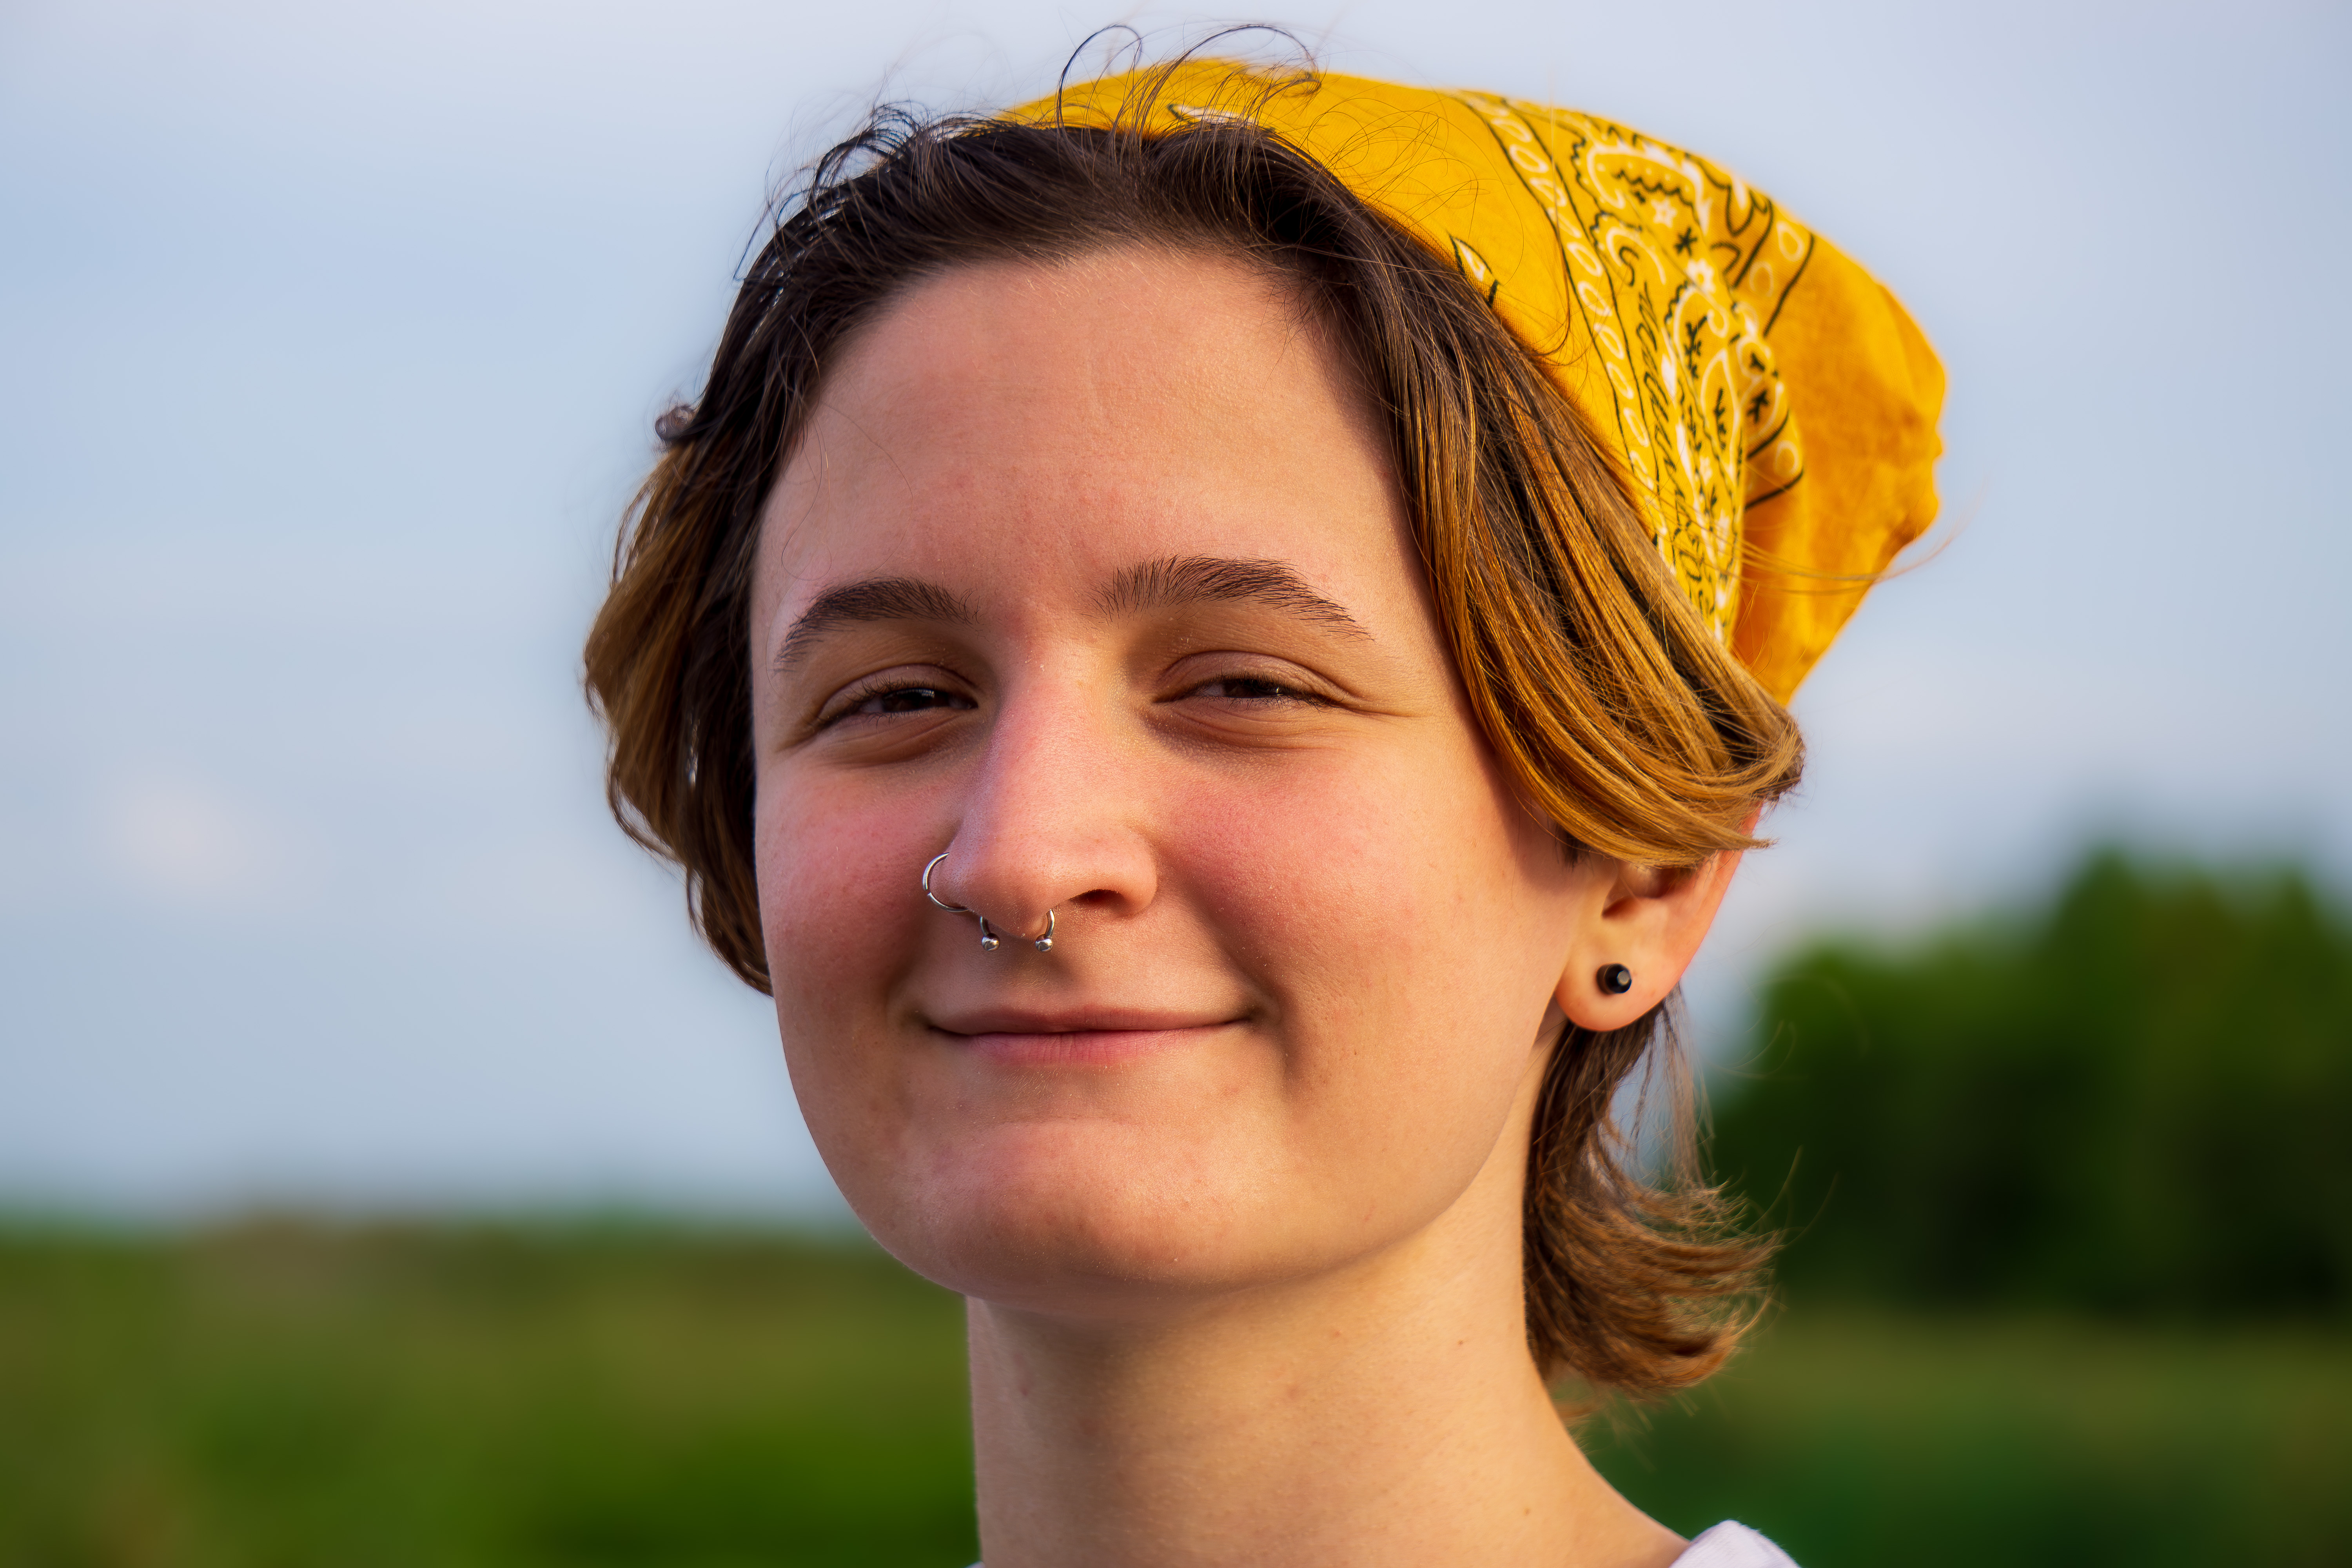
<point x="1614" y="978"/>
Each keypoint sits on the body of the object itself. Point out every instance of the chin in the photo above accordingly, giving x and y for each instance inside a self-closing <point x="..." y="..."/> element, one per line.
<point x="1080" y="1217"/>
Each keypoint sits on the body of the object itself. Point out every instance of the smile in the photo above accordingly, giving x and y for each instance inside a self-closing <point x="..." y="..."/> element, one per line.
<point x="1092" y="1037"/>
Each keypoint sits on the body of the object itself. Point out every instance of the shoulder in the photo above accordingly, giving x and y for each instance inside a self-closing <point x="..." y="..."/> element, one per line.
<point x="1731" y="1545"/>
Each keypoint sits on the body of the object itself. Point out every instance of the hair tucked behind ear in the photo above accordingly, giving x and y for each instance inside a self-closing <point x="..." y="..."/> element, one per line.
<point x="1621" y="720"/>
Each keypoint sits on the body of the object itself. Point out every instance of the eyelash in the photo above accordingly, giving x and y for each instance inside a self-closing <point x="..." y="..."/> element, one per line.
<point x="882" y="691"/>
<point x="1276" y="691"/>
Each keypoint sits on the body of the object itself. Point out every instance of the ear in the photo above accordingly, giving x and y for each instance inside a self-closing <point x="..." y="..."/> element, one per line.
<point x="1649" y="919"/>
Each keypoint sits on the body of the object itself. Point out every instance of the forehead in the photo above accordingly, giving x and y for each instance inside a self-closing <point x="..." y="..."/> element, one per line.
<point x="1076" y="418"/>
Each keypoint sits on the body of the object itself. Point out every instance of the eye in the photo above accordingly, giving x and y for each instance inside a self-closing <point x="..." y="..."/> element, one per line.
<point x="886" y="698"/>
<point x="1255" y="689"/>
<point x="910" y="699"/>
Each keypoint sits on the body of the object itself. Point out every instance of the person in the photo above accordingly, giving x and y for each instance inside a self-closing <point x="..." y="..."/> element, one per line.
<point x="1215" y="641"/>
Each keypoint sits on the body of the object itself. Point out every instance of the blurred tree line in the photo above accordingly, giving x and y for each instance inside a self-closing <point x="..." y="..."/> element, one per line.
<point x="2133" y="1102"/>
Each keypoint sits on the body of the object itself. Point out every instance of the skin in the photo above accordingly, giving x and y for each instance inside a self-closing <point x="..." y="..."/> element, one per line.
<point x="1231" y="1178"/>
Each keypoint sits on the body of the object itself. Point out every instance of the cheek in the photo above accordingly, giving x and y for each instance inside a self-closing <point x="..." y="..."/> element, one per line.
<point x="1399" y="913"/>
<point x="842" y="916"/>
<point x="835" y="886"/>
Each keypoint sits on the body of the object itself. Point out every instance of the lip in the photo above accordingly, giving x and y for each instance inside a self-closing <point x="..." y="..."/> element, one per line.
<point x="1022" y="1038"/>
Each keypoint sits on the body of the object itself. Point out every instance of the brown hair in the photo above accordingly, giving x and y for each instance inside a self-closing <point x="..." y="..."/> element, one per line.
<point x="1618" y="714"/>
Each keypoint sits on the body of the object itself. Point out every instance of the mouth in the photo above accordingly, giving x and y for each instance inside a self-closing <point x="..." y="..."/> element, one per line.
<point x="1081" y="1037"/>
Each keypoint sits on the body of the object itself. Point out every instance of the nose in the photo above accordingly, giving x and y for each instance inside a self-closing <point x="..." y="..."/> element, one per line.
<point x="1052" y="829"/>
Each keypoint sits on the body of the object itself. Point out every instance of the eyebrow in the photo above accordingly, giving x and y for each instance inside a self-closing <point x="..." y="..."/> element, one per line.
<point x="1167" y="582"/>
<point x="873" y="599"/>
<point x="1175" y="580"/>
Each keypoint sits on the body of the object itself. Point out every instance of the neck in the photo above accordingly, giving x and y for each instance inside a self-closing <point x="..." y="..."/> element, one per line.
<point x="1385" y="1413"/>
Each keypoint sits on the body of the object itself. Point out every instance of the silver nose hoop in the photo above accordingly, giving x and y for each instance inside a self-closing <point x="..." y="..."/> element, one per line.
<point x="989" y="940"/>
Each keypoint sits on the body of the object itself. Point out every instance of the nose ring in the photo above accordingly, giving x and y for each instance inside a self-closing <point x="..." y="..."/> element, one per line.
<point x="989" y="940"/>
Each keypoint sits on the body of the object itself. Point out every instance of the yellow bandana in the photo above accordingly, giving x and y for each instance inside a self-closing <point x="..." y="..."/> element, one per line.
<point x="1688" y="317"/>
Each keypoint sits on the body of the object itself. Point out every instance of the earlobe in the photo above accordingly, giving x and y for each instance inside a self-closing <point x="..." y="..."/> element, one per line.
<point x="1639" y="930"/>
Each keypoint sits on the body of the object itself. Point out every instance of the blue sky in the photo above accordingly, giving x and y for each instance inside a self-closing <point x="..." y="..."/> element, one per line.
<point x="330" y="339"/>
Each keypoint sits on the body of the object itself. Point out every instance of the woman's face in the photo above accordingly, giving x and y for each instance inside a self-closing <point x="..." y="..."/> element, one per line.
<point x="1097" y="576"/>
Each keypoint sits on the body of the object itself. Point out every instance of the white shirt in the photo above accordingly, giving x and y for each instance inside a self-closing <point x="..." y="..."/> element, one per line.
<point x="1730" y="1545"/>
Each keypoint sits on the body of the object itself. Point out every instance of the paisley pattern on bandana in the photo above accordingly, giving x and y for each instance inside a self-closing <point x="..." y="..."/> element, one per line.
<point x="1677" y="269"/>
<point x="1685" y="313"/>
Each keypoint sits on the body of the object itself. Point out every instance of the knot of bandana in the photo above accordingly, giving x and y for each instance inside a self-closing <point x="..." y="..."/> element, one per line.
<point x="1772" y="407"/>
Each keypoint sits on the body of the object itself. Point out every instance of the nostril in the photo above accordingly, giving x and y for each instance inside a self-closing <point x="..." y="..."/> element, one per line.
<point x="990" y="940"/>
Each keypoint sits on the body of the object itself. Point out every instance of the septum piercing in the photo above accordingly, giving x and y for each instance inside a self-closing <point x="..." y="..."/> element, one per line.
<point x="989" y="940"/>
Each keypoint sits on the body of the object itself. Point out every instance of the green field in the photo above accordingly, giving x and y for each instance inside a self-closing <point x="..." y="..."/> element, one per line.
<point x="282" y="1396"/>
